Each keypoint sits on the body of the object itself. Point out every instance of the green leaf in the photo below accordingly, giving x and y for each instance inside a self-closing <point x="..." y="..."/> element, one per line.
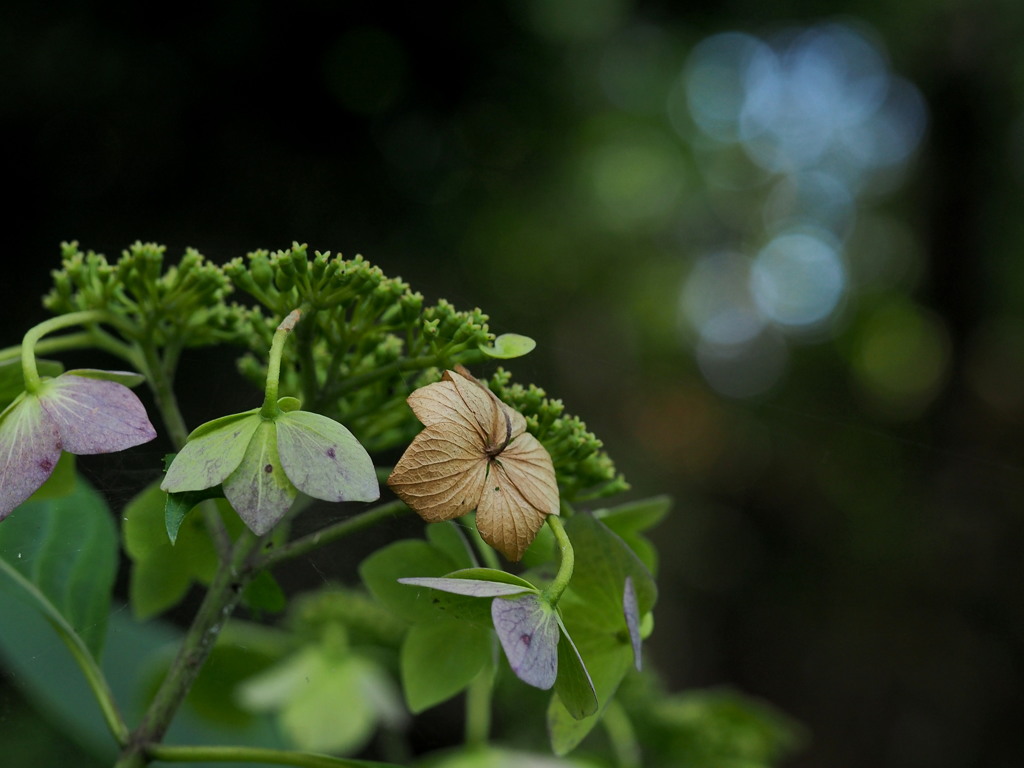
<point x="636" y="515"/>
<point x="603" y="562"/>
<point x="542" y="551"/>
<point x="264" y="594"/>
<point x="631" y="519"/>
<point x="178" y="505"/>
<point x="724" y="727"/>
<point x="439" y="659"/>
<point x="36" y="660"/>
<point x="447" y="536"/>
<point x="573" y="686"/>
<point x="607" y="667"/>
<point x="67" y="547"/>
<point x="409" y="557"/>
<point x="460" y="593"/>
<point x="325" y="701"/>
<point x="595" y="608"/>
<point x="229" y="664"/>
<point x="161" y="570"/>
<point x="510" y="345"/>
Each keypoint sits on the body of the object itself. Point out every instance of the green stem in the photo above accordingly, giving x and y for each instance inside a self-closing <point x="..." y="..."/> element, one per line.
<point x="196" y="754"/>
<point x="567" y="559"/>
<point x="478" y="707"/>
<point x="224" y="592"/>
<point x="83" y="657"/>
<point x="100" y="339"/>
<point x="34" y="334"/>
<point x="46" y="346"/>
<point x="308" y="543"/>
<point x="270" y="407"/>
<point x="159" y="372"/>
<point x="160" y="376"/>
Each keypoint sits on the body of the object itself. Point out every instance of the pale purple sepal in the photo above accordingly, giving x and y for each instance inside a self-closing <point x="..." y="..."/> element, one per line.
<point x="468" y="587"/>
<point x="528" y="631"/>
<point x="632" y="613"/>
<point x="95" y="416"/>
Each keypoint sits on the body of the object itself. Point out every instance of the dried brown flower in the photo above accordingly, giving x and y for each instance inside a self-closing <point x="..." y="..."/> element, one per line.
<point x="475" y="453"/>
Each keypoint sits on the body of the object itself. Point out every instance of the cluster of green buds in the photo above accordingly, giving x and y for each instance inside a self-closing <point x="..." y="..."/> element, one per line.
<point x="351" y="364"/>
<point x="365" y="343"/>
<point x="179" y="305"/>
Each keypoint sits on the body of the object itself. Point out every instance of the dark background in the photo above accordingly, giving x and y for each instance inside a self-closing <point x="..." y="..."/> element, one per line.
<point x="852" y="556"/>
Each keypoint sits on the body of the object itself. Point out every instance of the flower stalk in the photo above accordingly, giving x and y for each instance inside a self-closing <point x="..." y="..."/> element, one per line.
<point x="34" y="334"/>
<point x="218" y="604"/>
<point x="567" y="559"/>
<point x="270" y="407"/>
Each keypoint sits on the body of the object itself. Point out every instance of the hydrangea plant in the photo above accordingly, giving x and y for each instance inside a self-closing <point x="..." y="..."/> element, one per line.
<point x="525" y="579"/>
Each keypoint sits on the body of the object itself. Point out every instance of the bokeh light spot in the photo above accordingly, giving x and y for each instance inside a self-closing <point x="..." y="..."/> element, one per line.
<point x="798" y="279"/>
<point x="715" y="78"/>
<point x="901" y="358"/>
<point x="816" y="196"/>
<point x="822" y="97"/>
<point x="716" y="300"/>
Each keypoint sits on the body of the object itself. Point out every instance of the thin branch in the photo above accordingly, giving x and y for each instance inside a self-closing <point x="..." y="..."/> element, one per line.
<point x="196" y="754"/>
<point x="306" y="544"/>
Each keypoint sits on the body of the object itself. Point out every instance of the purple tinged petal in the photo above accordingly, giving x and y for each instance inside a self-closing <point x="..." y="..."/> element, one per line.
<point x="323" y="459"/>
<point x="95" y="416"/>
<point x="632" y="612"/>
<point x="29" y="449"/>
<point x="468" y="587"/>
<point x="258" y="489"/>
<point x="528" y="631"/>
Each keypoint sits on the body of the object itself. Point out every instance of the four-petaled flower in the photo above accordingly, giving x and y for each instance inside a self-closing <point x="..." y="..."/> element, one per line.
<point x="475" y="453"/>
<point x="263" y="463"/>
<point x="81" y="412"/>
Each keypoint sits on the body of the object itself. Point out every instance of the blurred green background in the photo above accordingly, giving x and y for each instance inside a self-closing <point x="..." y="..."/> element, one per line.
<point x="773" y="254"/>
